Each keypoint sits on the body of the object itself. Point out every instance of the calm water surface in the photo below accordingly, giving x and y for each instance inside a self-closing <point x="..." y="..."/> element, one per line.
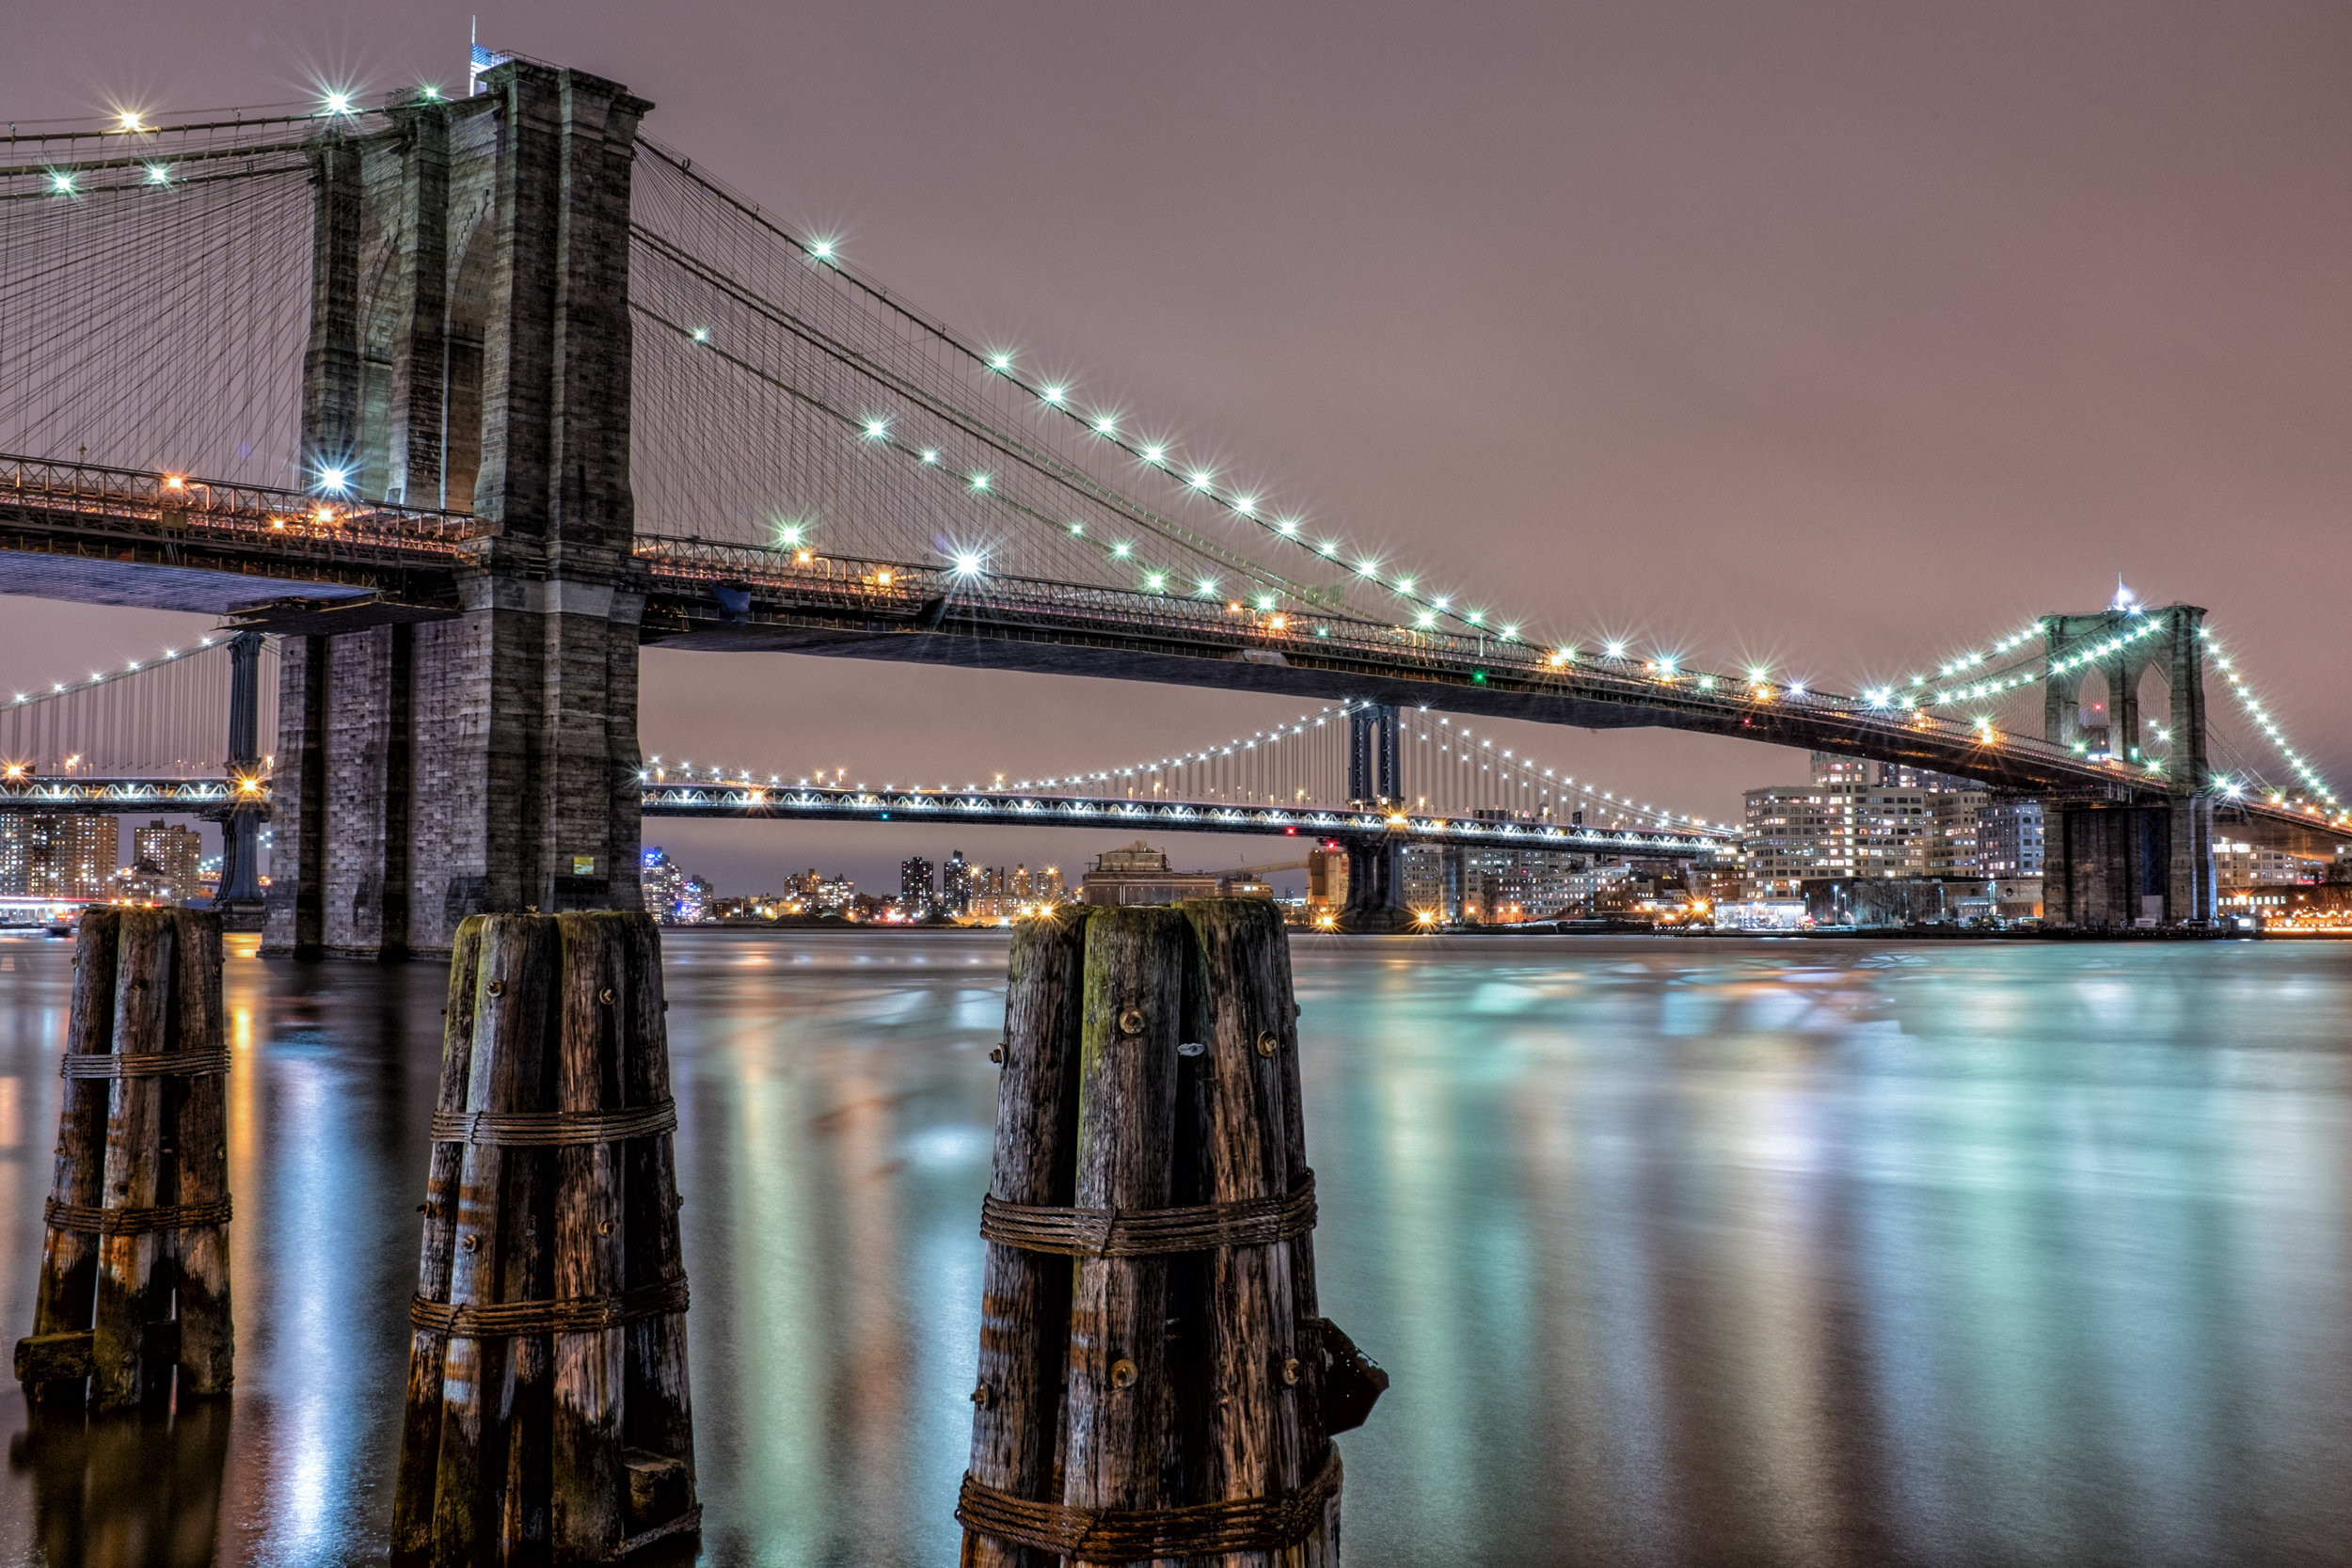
<point x="1803" y="1253"/>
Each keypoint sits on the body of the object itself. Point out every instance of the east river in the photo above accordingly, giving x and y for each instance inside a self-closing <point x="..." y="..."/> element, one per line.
<point x="1678" y="1252"/>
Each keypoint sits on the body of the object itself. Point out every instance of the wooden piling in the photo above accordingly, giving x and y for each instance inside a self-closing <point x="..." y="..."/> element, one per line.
<point x="135" y="1270"/>
<point x="546" y="1416"/>
<point x="1024" y="1296"/>
<point x="1196" y="1383"/>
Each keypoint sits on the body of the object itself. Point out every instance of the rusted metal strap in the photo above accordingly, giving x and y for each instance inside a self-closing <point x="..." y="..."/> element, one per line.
<point x="1142" y="1232"/>
<point x="1127" y="1535"/>
<point x="91" y="1219"/>
<point x="553" y="1129"/>
<point x="506" y="1320"/>
<point x="160" y="1063"/>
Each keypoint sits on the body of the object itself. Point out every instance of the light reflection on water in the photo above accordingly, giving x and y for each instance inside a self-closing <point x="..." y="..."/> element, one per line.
<point x="1795" y="1252"/>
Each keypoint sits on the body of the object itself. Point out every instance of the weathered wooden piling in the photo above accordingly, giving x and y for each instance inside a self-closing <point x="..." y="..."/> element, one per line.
<point x="135" y="1270"/>
<point x="1155" y="1384"/>
<point x="547" y="1414"/>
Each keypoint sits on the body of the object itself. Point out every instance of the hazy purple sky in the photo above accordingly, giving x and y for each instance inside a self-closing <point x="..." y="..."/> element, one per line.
<point x="1841" y="334"/>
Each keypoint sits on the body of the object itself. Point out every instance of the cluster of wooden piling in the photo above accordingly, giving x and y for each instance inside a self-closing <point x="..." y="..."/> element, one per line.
<point x="546" y="1408"/>
<point x="135" y="1271"/>
<point x="1155" y="1383"/>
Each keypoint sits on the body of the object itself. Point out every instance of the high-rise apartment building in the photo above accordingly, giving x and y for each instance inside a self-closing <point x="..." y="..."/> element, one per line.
<point x="955" y="884"/>
<point x="47" y="855"/>
<point x="915" y="892"/>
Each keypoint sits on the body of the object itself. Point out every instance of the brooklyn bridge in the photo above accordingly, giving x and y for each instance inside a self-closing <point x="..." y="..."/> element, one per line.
<point x="447" y="407"/>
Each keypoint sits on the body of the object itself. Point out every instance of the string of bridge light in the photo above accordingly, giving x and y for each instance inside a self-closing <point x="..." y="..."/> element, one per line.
<point x="107" y="678"/>
<point x="1161" y="455"/>
<point x="657" y="770"/>
<point x="1200" y="482"/>
<point x="1530" y="774"/>
<point x="1883" y="696"/>
<point x="968" y="564"/>
<point x="65" y="176"/>
<point x="2268" y="725"/>
<point x="1234" y="747"/>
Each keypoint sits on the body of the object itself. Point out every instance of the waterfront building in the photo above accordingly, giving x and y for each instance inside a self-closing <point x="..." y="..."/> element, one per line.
<point x="664" y="884"/>
<point x="1139" y="874"/>
<point x="955" y="884"/>
<point x="1326" y="881"/>
<point x="2008" y="838"/>
<point x="1797" y="833"/>
<point x="2239" y="864"/>
<point x="168" y="858"/>
<point x="52" y="855"/>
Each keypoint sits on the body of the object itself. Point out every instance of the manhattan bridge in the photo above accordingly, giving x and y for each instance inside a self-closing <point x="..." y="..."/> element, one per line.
<point x="447" y="407"/>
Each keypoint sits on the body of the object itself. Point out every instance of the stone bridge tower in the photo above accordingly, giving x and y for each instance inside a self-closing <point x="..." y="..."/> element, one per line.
<point x="2115" y="862"/>
<point x="470" y="350"/>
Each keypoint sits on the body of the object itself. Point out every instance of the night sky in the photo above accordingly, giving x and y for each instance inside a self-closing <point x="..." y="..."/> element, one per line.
<point x="1842" y="337"/>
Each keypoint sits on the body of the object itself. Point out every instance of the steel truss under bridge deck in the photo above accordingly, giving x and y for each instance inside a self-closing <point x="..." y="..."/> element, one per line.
<point x="93" y="797"/>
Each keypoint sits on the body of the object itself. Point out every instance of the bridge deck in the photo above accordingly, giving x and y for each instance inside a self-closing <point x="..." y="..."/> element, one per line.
<point x="284" y="561"/>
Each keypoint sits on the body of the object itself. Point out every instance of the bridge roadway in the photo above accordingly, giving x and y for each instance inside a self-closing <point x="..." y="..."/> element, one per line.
<point x="282" y="560"/>
<point x="215" y="798"/>
<point x="1003" y="808"/>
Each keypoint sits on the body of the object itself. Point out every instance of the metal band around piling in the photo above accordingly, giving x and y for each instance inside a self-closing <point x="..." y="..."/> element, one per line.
<point x="1127" y="1535"/>
<point x="92" y="1220"/>
<point x="160" y="1063"/>
<point x="553" y="1129"/>
<point x="506" y="1320"/>
<point x="1144" y="1232"/>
